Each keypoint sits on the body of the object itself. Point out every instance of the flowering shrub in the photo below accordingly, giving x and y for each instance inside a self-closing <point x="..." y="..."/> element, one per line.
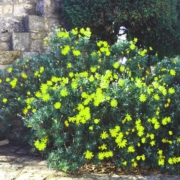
<point x="83" y="105"/>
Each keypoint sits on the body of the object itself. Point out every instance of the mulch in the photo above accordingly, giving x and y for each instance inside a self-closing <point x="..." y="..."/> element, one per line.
<point x="109" y="168"/>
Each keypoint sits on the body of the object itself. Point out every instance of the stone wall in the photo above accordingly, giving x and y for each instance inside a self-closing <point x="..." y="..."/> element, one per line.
<point x="23" y="26"/>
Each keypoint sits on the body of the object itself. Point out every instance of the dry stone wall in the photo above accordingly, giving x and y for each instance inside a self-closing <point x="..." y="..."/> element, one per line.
<point x="23" y="26"/>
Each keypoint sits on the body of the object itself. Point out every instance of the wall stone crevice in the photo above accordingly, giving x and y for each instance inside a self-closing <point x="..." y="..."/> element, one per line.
<point x="23" y="26"/>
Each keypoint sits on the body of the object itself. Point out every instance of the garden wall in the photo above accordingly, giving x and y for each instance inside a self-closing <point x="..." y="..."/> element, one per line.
<point x="23" y="26"/>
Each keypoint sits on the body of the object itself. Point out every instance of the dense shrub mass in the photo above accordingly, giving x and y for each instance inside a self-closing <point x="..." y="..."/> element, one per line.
<point x="82" y="104"/>
<point x="153" y="22"/>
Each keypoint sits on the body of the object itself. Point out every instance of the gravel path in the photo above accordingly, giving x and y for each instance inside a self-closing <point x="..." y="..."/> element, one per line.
<point x="16" y="163"/>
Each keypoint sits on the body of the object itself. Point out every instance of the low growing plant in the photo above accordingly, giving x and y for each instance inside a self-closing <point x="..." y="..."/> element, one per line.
<point x="85" y="106"/>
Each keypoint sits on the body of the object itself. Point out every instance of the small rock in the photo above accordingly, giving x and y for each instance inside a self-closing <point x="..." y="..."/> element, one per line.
<point x="5" y="38"/>
<point x="4" y="30"/>
<point x="4" y="46"/>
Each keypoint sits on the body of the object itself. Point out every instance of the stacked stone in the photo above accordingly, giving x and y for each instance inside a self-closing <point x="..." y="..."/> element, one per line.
<point x="23" y="26"/>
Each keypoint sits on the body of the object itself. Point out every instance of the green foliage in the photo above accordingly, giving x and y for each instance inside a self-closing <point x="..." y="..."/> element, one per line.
<point x="84" y="106"/>
<point x="153" y="22"/>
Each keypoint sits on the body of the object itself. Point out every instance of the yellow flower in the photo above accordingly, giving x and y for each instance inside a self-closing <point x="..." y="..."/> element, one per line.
<point x="122" y="144"/>
<point x="178" y="139"/>
<point x="171" y="90"/>
<point x="9" y="70"/>
<point x="140" y="133"/>
<point x="4" y="100"/>
<point x="40" y="145"/>
<point x="36" y="73"/>
<point x="135" y="40"/>
<point x="38" y="94"/>
<point x="91" y="78"/>
<point x="49" y="83"/>
<point x="143" y="157"/>
<point x="143" y="140"/>
<point x="28" y="107"/>
<point x="65" y="50"/>
<point x="116" y="65"/>
<point x="7" y="79"/>
<point x="45" y="97"/>
<point x="57" y="105"/>
<point x="108" y="154"/>
<point x="76" y="52"/>
<point x="65" y="80"/>
<point x="115" y="76"/>
<point x="86" y="32"/>
<point x="71" y="74"/>
<point x="160" y="152"/>
<point x="74" y="31"/>
<point x="44" y="88"/>
<point x="113" y="132"/>
<point x="101" y="156"/>
<point x="84" y="74"/>
<point x="45" y="41"/>
<point x="13" y="83"/>
<point x="24" y="75"/>
<point x="93" y="69"/>
<point x="74" y="85"/>
<point x="151" y="136"/>
<point x="34" y="110"/>
<point x="41" y="70"/>
<point x="156" y="97"/>
<point x="96" y="121"/>
<point x="69" y="65"/>
<point x="161" y="162"/>
<point x="132" y="46"/>
<point x="25" y="111"/>
<point x="157" y="125"/>
<point x="128" y="117"/>
<point x="170" y="133"/>
<point x="131" y="149"/>
<point x="170" y="161"/>
<point x="157" y="113"/>
<point x="93" y="54"/>
<point x="164" y="121"/>
<point x="66" y="123"/>
<point x="134" y="164"/>
<point x="113" y="103"/>
<point x="91" y="128"/>
<point x="64" y="92"/>
<point x="142" y="98"/>
<point x="117" y="128"/>
<point x="172" y="72"/>
<point x="84" y="95"/>
<point x="88" y="154"/>
<point x="124" y="163"/>
<point x="152" y="143"/>
<point x="154" y="120"/>
<point x="139" y="83"/>
<point x="138" y="157"/>
<point x="61" y="34"/>
<point x="121" y="82"/>
<point x="122" y="68"/>
<point x="104" y="135"/>
<point x="103" y="147"/>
